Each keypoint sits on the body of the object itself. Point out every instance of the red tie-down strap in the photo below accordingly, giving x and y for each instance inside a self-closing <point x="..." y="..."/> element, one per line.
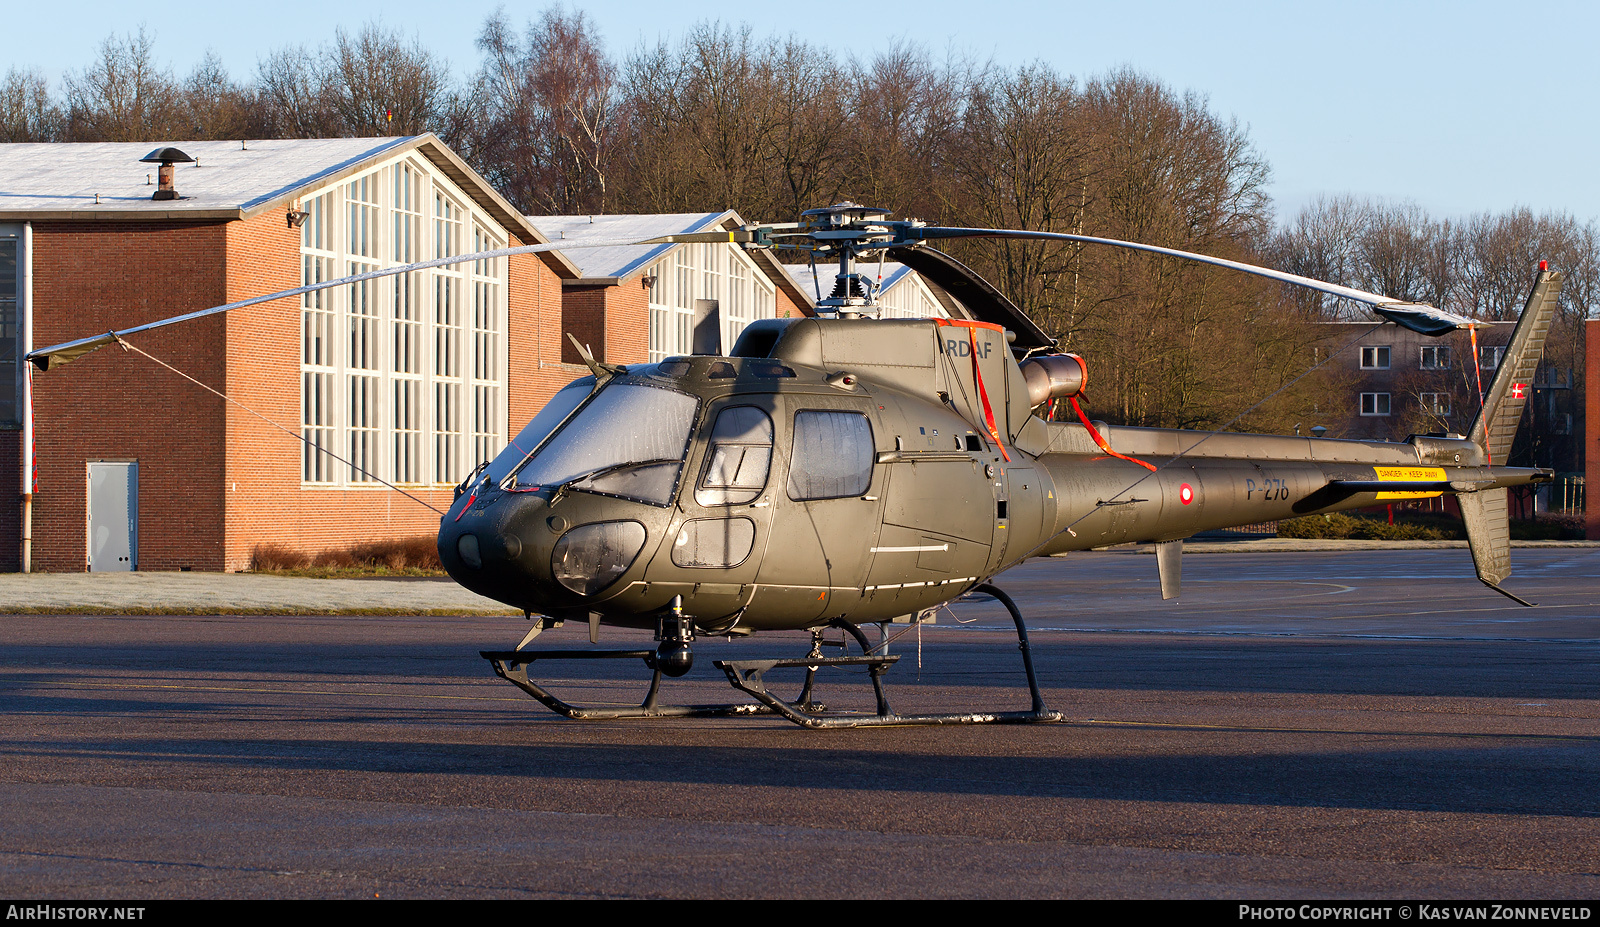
<point x="1477" y="367"/>
<point x="1102" y="441"/>
<point x="983" y="394"/>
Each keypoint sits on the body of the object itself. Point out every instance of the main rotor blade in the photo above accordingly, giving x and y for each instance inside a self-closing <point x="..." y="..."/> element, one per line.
<point x="58" y="354"/>
<point x="1419" y="317"/>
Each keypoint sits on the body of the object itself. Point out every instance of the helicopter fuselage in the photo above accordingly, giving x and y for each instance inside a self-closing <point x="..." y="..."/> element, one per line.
<point x="860" y="471"/>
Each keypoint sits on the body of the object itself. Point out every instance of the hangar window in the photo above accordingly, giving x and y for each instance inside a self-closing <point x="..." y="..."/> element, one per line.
<point x="488" y="368"/>
<point x="903" y="294"/>
<point x="403" y="375"/>
<point x="10" y="278"/>
<point x="831" y="456"/>
<point x="320" y="361"/>
<point x="722" y="273"/>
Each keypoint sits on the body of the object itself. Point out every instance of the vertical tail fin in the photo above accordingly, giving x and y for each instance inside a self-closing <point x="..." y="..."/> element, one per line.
<point x="1486" y="514"/>
<point x="1496" y="424"/>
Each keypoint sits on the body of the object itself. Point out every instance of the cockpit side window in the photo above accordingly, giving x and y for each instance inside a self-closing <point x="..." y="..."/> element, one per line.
<point x="738" y="459"/>
<point x="832" y="455"/>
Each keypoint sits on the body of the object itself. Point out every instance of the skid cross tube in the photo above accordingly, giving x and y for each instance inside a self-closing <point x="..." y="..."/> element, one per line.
<point x="748" y="676"/>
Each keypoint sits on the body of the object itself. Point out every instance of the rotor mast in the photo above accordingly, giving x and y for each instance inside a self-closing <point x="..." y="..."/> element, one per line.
<point x="848" y="229"/>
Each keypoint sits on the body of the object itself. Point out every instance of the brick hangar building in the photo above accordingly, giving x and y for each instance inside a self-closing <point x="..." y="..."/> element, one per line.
<point x="414" y="378"/>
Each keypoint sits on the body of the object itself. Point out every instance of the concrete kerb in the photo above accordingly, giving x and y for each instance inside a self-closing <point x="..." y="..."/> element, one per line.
<point x="234" y="594"/>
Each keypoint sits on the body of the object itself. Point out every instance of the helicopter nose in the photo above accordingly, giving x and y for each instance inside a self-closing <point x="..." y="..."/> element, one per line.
<point x="486" y="546"/>
<point x="512" y="548"/>
<point x="498" y="546"/>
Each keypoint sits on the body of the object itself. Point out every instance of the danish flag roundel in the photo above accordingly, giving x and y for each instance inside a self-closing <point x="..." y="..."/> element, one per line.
<point x="1186" y="494"/>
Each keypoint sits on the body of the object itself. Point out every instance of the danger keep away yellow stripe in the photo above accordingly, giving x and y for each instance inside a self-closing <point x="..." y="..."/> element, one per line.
<point x="1408" y="475"/>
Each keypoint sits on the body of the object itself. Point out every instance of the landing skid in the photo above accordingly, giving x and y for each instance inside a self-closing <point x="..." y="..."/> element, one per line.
<point x="513" y="666"/>
<point x="748" y="676"/>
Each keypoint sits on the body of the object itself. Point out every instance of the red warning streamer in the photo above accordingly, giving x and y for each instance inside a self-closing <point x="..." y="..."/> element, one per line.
<point x="983" y="394"/>
<point x="1102" y="441"/>
<point x="1488" y="455"/>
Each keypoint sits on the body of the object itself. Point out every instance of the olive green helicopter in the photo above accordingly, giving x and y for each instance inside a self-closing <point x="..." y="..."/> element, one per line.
<point x="844" y="470"/>
<point x="847" y="470"/>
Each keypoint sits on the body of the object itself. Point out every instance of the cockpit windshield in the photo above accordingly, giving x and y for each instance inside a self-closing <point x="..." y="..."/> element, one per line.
<point x="552" y="415"/>
<point x="629" y="441"/>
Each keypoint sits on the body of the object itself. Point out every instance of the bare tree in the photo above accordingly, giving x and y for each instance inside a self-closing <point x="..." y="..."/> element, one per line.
<point x="552" y="112"/>
<point x="27" y="114"/>
<point x="1405" y="254"/>
<point x="905" y="117"/>
<point x="722" y="120"/>
<point x="724" y="110"/>
<point x="219" y="107"/>
<point x="653" y="157"/>
<point x="371" y="83"/>
<point x="805" y="154"/>
<point x="124" y="96"/>
<point x="293" y="97"/>
<point x="381" y="84"/>
<point x="1175" y="343"/>
<point x="1020" y="161"/>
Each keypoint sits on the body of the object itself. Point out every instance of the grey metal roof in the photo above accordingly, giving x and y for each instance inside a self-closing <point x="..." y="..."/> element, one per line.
<point x="617" y="261"/>
<point x="229" y="179"/>
<point x="107" y="177"/>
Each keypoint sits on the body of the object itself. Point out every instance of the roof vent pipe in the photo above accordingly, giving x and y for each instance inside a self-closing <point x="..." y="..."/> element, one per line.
<point x="166" y="157"/>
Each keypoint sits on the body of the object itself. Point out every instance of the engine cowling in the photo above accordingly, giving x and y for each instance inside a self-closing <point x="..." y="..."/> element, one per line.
<point x="1053" y="376"/>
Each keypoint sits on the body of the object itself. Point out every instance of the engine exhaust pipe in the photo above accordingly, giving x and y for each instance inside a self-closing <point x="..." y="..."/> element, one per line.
<point x="1054" y="376"/>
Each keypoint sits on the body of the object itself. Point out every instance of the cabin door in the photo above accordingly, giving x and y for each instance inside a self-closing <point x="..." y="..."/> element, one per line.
<point x="826" y="515"/>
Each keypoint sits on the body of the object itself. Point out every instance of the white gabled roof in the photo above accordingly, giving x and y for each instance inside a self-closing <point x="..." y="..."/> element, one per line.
<point x="236" y="176"/>
<point x="229" y="179"/>
<point x="609" y="264"/>
<point x="893" y="273"/>
<point x="622" y="261"/>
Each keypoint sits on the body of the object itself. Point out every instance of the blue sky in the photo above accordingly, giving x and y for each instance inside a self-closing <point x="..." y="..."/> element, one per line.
<point x="1461" y="107"/>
